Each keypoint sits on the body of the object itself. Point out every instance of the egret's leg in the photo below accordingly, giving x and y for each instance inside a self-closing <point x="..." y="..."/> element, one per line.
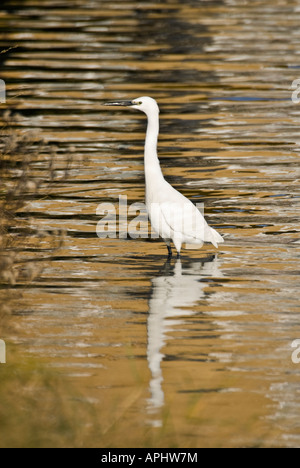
<point x="169" y="247"/>
<point x="177" y="243"/>
<point x="169" y="250"/>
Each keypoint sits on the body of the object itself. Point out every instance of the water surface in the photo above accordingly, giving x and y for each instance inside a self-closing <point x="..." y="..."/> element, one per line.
<point x="192" y="352"/>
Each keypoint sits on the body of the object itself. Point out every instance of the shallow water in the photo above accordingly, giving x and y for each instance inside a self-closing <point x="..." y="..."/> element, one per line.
<point x="198" y="348"/>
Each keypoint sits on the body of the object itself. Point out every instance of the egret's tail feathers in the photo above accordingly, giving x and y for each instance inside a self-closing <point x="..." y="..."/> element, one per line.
<point x="215" y="238"/>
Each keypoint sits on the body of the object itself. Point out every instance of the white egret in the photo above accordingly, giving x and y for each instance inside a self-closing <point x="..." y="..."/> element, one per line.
<point x="172" y="215"/>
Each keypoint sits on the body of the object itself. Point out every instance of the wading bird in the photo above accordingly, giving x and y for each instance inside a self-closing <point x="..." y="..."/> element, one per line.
<point x="172" y="215"/>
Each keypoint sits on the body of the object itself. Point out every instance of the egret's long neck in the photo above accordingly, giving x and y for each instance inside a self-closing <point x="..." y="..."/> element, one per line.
<point x="151" y="161"/>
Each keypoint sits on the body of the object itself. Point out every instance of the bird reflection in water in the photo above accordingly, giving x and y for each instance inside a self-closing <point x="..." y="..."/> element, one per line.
<point x="177" y="288"/>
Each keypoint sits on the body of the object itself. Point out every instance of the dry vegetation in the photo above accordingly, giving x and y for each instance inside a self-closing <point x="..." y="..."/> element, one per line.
<point x="34" y="411"/>
<point x="18" y="152"/>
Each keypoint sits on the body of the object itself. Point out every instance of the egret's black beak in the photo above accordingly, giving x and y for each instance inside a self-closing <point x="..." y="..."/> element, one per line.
<point x="119" y="103"/>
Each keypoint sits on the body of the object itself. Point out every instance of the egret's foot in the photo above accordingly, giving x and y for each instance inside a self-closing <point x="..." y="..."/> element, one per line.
<point x="178" y="255"/>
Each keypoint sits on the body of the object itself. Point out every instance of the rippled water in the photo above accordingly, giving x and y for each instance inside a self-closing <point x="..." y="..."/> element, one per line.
<point x="200" y="348"/>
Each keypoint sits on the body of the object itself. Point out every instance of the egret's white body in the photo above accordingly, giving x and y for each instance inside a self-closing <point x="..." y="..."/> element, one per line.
<point x="172" y="215"/>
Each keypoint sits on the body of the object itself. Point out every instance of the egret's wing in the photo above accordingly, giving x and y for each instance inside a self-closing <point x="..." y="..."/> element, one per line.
<point x="184" y="219"/>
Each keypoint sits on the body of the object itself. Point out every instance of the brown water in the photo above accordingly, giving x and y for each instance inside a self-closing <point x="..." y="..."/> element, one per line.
<point x="193" y="352"/>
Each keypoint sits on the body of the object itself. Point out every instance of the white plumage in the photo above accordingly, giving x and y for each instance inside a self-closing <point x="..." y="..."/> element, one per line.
<point x="173" y="216"/>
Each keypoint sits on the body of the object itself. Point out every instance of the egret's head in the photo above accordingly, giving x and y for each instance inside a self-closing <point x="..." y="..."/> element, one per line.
<point x="144" y="104"/>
